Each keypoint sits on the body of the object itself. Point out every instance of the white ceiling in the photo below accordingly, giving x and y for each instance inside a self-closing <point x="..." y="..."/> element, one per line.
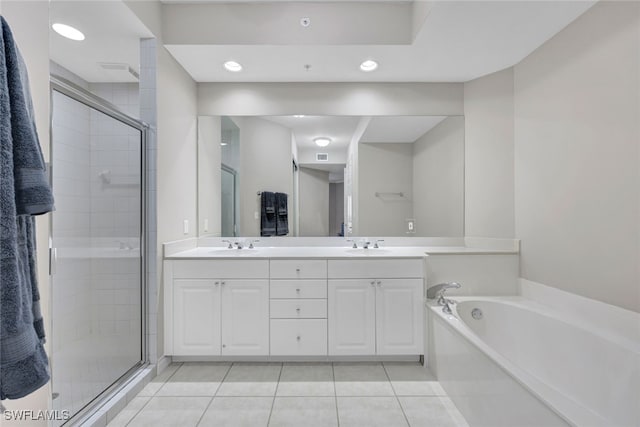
<point x="458" y="41"/>
<point x="399" y="129"/>
<point x="339" y="128"/>
<point x="112" y="33"/>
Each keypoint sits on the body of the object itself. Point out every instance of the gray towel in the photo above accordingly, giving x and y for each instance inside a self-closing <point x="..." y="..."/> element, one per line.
<point x="268" y="214"/>
<point x="24" y="191"/>
<point x="282" y="221"/>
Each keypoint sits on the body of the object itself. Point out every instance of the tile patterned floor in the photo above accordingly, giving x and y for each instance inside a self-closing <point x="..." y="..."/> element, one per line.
<point x="292" y="394"/>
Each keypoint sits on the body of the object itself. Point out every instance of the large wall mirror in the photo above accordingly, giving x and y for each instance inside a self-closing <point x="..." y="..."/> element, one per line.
<point x="341" y="176"/>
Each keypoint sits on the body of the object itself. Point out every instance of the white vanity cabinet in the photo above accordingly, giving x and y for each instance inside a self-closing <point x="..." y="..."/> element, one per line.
<point x="298" y="307"/>
<point x="380" y="312"/>
<point x="294" y="307"/>
<point x="217" y="308"/>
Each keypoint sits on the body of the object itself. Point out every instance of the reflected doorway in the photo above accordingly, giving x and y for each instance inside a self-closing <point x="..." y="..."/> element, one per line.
<point x="228" y="208"/>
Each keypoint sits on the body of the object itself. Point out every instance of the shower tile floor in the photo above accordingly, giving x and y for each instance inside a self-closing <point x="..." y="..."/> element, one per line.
<point x="292" y="394"/>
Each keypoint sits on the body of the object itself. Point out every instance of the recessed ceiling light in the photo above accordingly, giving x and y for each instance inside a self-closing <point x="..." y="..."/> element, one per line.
<point x="322" y="141"/>
<point x="223" y="143"/>
<point x="298" y="116"/>
<point x="368" y="65"/>
<point x="233" y="66"/>
<point x="68" y="31"/>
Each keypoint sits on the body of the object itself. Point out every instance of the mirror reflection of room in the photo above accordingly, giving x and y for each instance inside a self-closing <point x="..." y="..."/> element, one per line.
<point x="331" y="176"/>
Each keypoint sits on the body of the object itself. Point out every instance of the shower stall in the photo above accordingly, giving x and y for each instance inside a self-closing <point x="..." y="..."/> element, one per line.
<point x="97" y="247"/>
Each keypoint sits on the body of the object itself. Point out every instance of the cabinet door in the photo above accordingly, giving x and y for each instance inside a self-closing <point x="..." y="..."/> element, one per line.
<point x="245" y="317"/>
<point x="352" y="317"/>
<point x="196" y="318"/>
<point x="399" y="316"/>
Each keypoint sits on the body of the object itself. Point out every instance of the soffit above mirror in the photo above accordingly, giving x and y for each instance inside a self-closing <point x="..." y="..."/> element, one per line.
<point x="420" y="41"/>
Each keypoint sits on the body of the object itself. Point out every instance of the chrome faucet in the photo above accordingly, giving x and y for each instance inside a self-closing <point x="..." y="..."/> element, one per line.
<point x="365" y="243"/>
<point x="229" y="242"/>
<point x="437" y="291"/>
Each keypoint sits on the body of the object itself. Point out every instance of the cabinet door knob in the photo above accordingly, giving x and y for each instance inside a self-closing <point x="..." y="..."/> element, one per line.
<point x="217" y="283"/>
<point x="373" y="283"/>
<point x="224" y="346"/>
<point x="298" y="338"/>
<point x="297" y="270"/>
<point x="297" y="289"/>
<point x="379" y="283"/>
<point x="223" y="283"/>
<point x="298" y="309"/>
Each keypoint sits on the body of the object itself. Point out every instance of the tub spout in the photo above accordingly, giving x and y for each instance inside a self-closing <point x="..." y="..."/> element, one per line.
<point x="437" y="291"/>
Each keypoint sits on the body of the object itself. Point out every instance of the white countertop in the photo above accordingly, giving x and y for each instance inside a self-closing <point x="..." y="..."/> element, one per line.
<point x="328" y="252"/>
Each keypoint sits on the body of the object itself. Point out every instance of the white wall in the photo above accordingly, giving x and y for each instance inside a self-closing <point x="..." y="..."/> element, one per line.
<point x="314" y="202"/>
<point x="577" y="163"/>
<point x="177" y="159"/>
<point x="438" y="180"/>
<point x="29" y="22"/>
<point x="384" y="168"/>
<point x="336" y="155"/>
<point x="488" y="168"/>
<point x="209" y="176"/>
<point x="266" y="164"/>
<point x="350" y="99"/>
<point x="175" y="94"/>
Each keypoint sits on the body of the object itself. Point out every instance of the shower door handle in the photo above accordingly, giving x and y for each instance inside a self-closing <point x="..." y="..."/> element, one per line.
<point x="53" y="261"/>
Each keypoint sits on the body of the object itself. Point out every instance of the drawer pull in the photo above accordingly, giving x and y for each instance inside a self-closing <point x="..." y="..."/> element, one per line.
<point x="373" y="283"/>
<point x="379" y="283"/>
<point x="217" y="283"/>
<point x="298" y="338"/>
<point x="298" y="290"/>
<point x="297" y="270"/>
<point x="223" y="283"/>
<point x="298" y="309"/>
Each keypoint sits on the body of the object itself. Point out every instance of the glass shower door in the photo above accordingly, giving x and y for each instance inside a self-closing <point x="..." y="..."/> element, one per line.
<point x="228" y="202"/>
<point x="97" y="286"/>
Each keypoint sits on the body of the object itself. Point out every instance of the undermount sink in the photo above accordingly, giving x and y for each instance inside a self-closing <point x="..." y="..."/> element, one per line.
<point x="232" y="251"/>
<point x="370" y="251"/>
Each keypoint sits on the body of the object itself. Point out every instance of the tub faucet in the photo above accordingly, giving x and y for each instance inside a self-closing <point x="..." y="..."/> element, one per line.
<point x="437" y="291"/>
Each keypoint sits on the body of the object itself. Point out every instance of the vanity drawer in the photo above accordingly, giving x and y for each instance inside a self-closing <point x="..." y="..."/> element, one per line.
<point x="376" y="269"/>
<point x="298" y="337"/>
<point x="299" y="309"/>
<point x="296" y="289"/>
<point x="217" y="269"/>
<point x="298" y="269"/>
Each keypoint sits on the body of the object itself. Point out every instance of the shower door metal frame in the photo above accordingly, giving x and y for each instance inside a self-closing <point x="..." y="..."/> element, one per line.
<point x="71" y="90"/>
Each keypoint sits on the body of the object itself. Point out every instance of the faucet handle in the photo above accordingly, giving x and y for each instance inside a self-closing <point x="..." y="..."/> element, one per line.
<point x="376" y="246"/>
<point x="251" y="242"/>
<point x="229" y="242"/>
<point x="355" y="244"/>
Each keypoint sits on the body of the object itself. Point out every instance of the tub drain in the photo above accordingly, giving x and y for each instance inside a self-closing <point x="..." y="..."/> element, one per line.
<point x="476" y="313"/>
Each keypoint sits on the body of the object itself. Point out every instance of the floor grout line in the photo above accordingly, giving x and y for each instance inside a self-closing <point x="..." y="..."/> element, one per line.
<point x="396" y="395"/>
<point x="273" y="402"/>
<point x="214" y="395"/>
<point x="335" y="392"/>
